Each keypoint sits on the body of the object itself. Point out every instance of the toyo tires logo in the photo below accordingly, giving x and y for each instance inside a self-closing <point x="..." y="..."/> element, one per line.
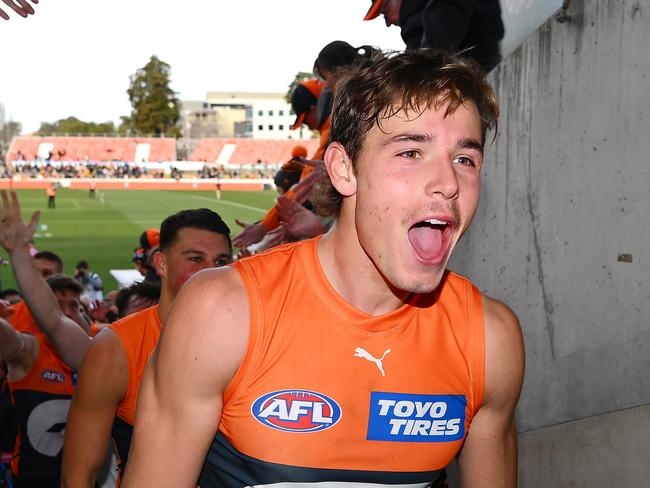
<point x="296" y="411"/>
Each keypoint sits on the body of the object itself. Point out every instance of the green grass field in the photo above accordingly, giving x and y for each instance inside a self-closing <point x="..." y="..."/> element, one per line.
<point x="105" y="230"/>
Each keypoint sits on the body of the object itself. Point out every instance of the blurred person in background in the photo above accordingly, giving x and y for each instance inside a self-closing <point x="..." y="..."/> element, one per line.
<point x="109" y="379"/>
<point x="90" y="281"/>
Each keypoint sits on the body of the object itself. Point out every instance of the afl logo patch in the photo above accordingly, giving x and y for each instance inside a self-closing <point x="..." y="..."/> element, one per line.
<point x="296" y="411"/>
<point x="52" y="376"/>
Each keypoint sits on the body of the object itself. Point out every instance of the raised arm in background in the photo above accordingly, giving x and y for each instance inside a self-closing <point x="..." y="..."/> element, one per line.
<point x="68" y="339"/>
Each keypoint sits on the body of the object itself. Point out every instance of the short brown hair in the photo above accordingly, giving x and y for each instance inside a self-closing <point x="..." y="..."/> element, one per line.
<point x="52" y="257"/>
<point x="402" y="82"/>
<point x="62" y="283"/>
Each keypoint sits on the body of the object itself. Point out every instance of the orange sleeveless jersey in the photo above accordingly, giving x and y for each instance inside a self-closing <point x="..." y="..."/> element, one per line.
<point x="328" y="393"/>
<point x="139" y="335"/>
<point x="21" y="319"/>
<point x="41" y="399"/>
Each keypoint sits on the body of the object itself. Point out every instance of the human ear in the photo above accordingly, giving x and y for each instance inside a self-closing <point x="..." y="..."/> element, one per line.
<point x="160" y="263"/>
<point x="340" y="170"/>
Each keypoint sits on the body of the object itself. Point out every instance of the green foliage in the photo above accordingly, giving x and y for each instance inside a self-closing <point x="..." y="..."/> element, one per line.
<point x="155" y="108"/>
<point x="300" y="76"/>
<point x="73" y="125"/>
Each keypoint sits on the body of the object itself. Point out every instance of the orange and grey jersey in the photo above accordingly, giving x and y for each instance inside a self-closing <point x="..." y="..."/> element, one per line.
<point x="22" y="320"/>
<point x="138" y="334"/>
<point x="329" y="394"/>
<point x="41" y="400"/>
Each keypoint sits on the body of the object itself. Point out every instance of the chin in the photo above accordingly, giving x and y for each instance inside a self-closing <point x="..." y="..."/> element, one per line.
<point x="426" y="283"/>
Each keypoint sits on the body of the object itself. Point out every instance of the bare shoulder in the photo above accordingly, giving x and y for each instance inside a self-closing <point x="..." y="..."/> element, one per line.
<point x="105" y="361"/>
<point x="105" y="349"/>
<point x="215" y="294"/>
<point x="206" y="329"/>
<point x="504" y="353"/>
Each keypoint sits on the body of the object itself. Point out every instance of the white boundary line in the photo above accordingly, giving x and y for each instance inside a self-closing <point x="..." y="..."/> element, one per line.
<point x="232" y="204"/>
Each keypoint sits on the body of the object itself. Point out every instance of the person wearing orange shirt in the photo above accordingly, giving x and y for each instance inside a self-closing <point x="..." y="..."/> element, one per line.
<point x="104" y="404"/>
<point x="51" y="195"/>
<point x="41" y="387"/>
<point x="356" y="358"/>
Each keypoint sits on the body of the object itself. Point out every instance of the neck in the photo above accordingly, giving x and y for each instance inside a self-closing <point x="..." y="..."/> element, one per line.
<point x="165" y="302"/>
<point x="346" y="266"/>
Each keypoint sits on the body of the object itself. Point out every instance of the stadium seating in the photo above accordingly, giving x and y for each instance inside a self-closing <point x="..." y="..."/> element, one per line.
<point x="93" y="148"/>
<point x="148" y="149"/>
<point x="249" y="150"/>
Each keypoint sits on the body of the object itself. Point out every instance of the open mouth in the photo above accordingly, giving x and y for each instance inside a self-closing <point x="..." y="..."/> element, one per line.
<point x="429" y="239"/>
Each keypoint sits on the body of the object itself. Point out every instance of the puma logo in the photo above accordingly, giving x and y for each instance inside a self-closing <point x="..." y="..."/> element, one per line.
<point x="362" y="353"/>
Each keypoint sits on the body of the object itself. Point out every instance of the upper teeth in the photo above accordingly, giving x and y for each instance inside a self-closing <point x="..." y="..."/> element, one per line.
<point x="435" y="222"/>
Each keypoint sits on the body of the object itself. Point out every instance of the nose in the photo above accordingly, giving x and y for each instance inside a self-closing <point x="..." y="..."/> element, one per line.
<point x="442" y="179"/>
<point x="67" y="310"/>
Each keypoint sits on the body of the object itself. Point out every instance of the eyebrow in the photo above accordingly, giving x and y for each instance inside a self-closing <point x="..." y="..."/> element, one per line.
<point x="469" y="143"/>
<point x="408" y="137"/>
<point x="193" y="251"/>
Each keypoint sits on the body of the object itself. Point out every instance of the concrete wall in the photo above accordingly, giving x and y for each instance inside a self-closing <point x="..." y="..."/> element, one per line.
<point x="563" y="236"/>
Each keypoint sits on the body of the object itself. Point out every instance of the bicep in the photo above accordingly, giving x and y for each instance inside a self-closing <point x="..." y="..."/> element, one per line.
<point x="11" y="341"/>
<point x="180" y="399"/>
<point x="102" y="383"/>
<point x="70" y="342"/>
<point x="489" y="455"/>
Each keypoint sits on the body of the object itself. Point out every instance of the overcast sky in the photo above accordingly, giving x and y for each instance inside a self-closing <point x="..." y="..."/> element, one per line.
<point x="75" y="57"/>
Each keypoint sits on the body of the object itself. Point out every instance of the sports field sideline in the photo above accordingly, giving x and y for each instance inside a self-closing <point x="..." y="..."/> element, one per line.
<point x="105" y="230"/>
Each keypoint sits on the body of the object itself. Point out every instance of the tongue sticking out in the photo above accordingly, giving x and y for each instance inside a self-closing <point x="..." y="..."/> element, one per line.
<point x="427" y="241"/>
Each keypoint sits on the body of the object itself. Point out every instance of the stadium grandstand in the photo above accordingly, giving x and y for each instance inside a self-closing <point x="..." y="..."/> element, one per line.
<point x="33" y="161"/>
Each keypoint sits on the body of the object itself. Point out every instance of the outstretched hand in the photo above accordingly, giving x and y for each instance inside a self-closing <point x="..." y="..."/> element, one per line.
<point x="21" y="7"/>
<point x="14" y="232"/>
<point x="298" y="222"/>
<point x="252" y="234"/>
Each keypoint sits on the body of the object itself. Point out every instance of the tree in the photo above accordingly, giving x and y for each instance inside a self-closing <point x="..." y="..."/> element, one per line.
<point x="73" y="125"/>
<point x="155" y="108"/>
<point x="300" y="76"/>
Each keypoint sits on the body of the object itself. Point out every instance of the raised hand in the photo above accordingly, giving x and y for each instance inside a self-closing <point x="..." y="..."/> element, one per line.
<point x="298" y="222"/>
<point x="252" y="234"/>
<point x="21" y="7"/>
<point x="14" y="232"/>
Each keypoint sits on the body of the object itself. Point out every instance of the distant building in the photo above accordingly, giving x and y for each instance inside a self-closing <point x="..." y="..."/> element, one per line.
<point x="240" y="114"/>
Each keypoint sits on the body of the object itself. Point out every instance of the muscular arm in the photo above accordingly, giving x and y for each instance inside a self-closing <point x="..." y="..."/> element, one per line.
<point x="17" y="350"/>
<point x="69" y="341"/>
<point x="179" y="406"/>
<point x="102" y="384"/>
<point x="11" y="341"/>
<point x="489" y="456"/>
<point x="67" y="338"/>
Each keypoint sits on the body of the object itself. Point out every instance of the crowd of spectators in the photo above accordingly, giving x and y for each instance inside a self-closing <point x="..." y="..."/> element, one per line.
<point x="121" y="169"/>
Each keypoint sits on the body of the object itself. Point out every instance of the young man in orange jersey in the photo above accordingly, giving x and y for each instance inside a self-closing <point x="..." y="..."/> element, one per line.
<point x="41" y="387"/>
<point x="356" y="358"/>
<point x="109" y="377"/>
